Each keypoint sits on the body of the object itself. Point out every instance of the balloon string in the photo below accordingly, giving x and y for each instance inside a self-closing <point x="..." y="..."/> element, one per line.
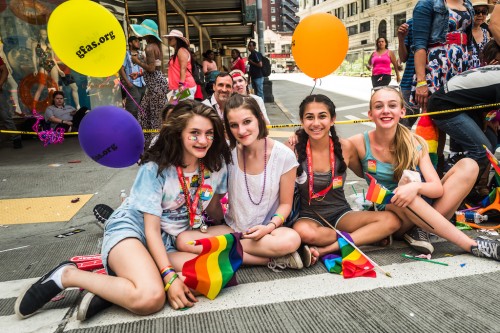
<point x="315" y="81"/>
<point x="140" y="109"/>
<point x="50" y="136"/>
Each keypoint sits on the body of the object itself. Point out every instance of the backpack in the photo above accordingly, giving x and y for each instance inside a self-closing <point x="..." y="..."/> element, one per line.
<point x="198" y="76"/>
<point x="266" y="66"/>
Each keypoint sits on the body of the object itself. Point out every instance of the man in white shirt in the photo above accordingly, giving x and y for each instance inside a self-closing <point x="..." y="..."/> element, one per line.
<point x="223" y="88"/>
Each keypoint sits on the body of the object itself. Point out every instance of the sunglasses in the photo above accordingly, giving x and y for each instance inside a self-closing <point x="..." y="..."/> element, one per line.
<point x="393" y="87"/>
<point x="481" y="12"/>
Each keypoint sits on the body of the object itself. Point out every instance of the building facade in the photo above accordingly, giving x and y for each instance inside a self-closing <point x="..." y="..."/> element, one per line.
<point x="365" y="21"/>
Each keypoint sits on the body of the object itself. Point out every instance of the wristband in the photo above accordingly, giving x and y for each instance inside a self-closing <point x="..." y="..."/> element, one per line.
<point x="167" y="270"/>
<point x="172" y="279"/>
<point x="421" y="84"/>
<point x="280" y="216"/>
<point x="275" y="226"/>
<point x="181" y="84"/>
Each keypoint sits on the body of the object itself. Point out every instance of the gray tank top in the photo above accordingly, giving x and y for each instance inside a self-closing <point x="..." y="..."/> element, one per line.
<point x="334" y="201"/>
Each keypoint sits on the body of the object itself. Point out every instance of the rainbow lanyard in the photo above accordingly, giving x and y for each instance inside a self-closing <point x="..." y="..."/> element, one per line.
<point x="321" y="194"/>
<point x="191" y="205"/>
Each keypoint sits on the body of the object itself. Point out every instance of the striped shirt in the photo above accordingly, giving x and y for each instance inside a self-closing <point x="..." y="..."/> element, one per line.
<point x="407" y="78"/>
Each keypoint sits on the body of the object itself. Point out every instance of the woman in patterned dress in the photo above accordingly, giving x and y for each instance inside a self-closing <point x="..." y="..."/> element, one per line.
<point x="480" y="35"/>
<point x="155" y="99"/>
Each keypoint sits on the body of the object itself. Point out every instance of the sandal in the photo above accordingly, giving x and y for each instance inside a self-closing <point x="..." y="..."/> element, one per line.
<point x="305" y="255"/>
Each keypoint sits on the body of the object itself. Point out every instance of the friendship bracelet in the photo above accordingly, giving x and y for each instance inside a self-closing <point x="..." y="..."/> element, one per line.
<point x="166" y="268"/>
<point x="275" y="226"/>
<point x="421" y="84"/>
<point x="166" y="272"/>
<point x="172" y="279"/>
<point x="280" y="216"/>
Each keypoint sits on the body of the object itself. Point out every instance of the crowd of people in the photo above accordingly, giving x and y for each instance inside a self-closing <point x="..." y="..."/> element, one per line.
<point x="220" y="147"/>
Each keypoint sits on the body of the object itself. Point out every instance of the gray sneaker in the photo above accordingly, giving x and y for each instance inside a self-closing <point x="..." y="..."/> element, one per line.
<point x="291" y="260"/>
<point x="419" y="240"/>
<point x="487" y="248"/>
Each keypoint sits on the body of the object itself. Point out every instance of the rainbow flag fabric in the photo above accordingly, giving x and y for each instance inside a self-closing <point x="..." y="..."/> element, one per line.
<point x="351" y="263"/>
<point x="377" y="193"/>
<point x="215" y="267"/>
<point x="494" y="163"/>
<point x="428" y="130"/>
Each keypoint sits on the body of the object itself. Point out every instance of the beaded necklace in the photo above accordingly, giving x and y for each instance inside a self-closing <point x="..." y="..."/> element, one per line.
<point x="192" y="205"/>
<point x="265" y="173"/>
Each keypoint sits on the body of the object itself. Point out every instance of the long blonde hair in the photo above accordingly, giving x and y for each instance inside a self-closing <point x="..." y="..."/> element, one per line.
<point x="405" y="144"/>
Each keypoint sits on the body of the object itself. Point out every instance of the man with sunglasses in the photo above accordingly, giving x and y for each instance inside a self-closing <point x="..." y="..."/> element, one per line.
<point x="131" y="77"/>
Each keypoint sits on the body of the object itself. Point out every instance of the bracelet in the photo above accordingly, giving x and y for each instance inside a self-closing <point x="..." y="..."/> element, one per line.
<point x="280" y="216"/>
<point x="166" y="270"/>
<point x="181" y="83"/>
<point x="275" y="226"/>
<point x="172" y="279"/>
<point x="421" y="84"/>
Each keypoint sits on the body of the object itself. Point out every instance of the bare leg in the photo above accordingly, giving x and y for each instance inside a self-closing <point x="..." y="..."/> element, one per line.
<point x="442" y="227"/>
<point x="74" y="93"/>
<point x="279" y="242"/>
<point x="13" y="91"/>
<point x="364" y="227"/>
<point x="39" y="90"/>
<point x="457" y="183"/>
<point x="54" y="74"/>
<point x="137" y="287"/>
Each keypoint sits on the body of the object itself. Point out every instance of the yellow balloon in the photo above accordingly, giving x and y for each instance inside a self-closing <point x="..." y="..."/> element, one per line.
<point x="319" y="44"/>
<point x="87" y="38"/>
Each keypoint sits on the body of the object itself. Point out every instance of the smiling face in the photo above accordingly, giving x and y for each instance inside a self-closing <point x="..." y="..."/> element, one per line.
<point x="381" y="44"/>
<point x="317" y="120"/>
<point x="223" y="87"/>
<point x="240" y="85"/>
<point x="197" y="137"/>
<point x="243" y="125"/>
<point x="386" y="108"/>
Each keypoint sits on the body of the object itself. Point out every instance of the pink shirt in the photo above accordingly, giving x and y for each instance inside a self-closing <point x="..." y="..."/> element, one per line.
<point x="381" y="64"/>
<point x="174" y="73"/>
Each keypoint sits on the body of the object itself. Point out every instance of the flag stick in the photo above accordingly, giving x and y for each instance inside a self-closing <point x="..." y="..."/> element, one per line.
<point x="411" y="210"/>
<point x="353" y="245"/>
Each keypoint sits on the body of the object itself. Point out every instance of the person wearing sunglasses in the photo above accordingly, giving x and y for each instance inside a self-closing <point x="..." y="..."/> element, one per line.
<point x="480" y="35"/>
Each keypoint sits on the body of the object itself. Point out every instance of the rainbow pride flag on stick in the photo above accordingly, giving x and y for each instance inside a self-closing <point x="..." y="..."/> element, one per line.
<point x="351" y="263"/>
<point x="494" y="163"/>
<point x="215" y="267"/>
<point x="377" y="193"/>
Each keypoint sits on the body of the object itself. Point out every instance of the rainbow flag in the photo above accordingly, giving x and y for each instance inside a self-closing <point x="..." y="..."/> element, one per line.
<point x="351" y="263"/>
<point x="490" y="198"/>
<point x="428" y="130"/>
<point x="215" y="267"/>
<point x="377" y="193"/>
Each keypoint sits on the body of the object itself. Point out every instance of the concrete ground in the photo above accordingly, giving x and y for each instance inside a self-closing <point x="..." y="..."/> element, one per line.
<point x="420" y="297"/>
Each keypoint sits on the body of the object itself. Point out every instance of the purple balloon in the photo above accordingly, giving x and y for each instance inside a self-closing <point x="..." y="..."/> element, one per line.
<point x="111" y="136"/>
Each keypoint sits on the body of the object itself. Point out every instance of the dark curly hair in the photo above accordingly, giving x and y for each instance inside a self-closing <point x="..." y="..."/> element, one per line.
<point x="300" y="148"/>
<point x="168" y="149"/>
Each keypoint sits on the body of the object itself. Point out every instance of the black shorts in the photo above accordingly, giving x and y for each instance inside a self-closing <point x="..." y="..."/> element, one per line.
<point x="67" y="80"/>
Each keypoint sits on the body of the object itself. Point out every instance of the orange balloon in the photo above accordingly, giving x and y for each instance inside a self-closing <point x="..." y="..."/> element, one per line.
<point x="319" y="44"/>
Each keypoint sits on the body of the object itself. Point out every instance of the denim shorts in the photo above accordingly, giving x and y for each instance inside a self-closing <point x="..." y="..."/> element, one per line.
<point x="333" y="220"/>
<point x="128" y="223"/>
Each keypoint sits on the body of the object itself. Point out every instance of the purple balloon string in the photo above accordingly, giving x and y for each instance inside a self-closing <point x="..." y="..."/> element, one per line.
<point x="121" y="84"/>
<point x="50" y="136"/>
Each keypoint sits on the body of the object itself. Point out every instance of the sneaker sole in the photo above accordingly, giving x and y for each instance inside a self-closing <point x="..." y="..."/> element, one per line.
<point x="306" y="256"/>
<point x="81" y="314"/>
<point x="420" y="248"/>
<point x="298" y="260"/>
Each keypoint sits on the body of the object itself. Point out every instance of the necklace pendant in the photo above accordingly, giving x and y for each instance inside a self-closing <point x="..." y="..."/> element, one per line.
<point x="204" y="228"/>
<point x="198" y="222"/>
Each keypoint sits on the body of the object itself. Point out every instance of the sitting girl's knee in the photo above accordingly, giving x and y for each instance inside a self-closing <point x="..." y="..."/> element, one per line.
<point x="468" y="167"/>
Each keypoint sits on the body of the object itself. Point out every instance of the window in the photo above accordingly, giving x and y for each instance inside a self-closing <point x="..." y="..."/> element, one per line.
<point x="273" y="10"/>
<point x="365" y="26"/>
<point x="273" y="26"/>
<point x="398" y="20"/>
<point x="339" y="12"/>
<point x="352" y="9"/>
<point x="273" y="2"/>
<point x="379" y="2"/>
<point x="365" y="4"/>
<point x="269" y="48"/>
<point x="273" y="18"/>
<point x="352" y="30"/>
<point x="285" y="48"/>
